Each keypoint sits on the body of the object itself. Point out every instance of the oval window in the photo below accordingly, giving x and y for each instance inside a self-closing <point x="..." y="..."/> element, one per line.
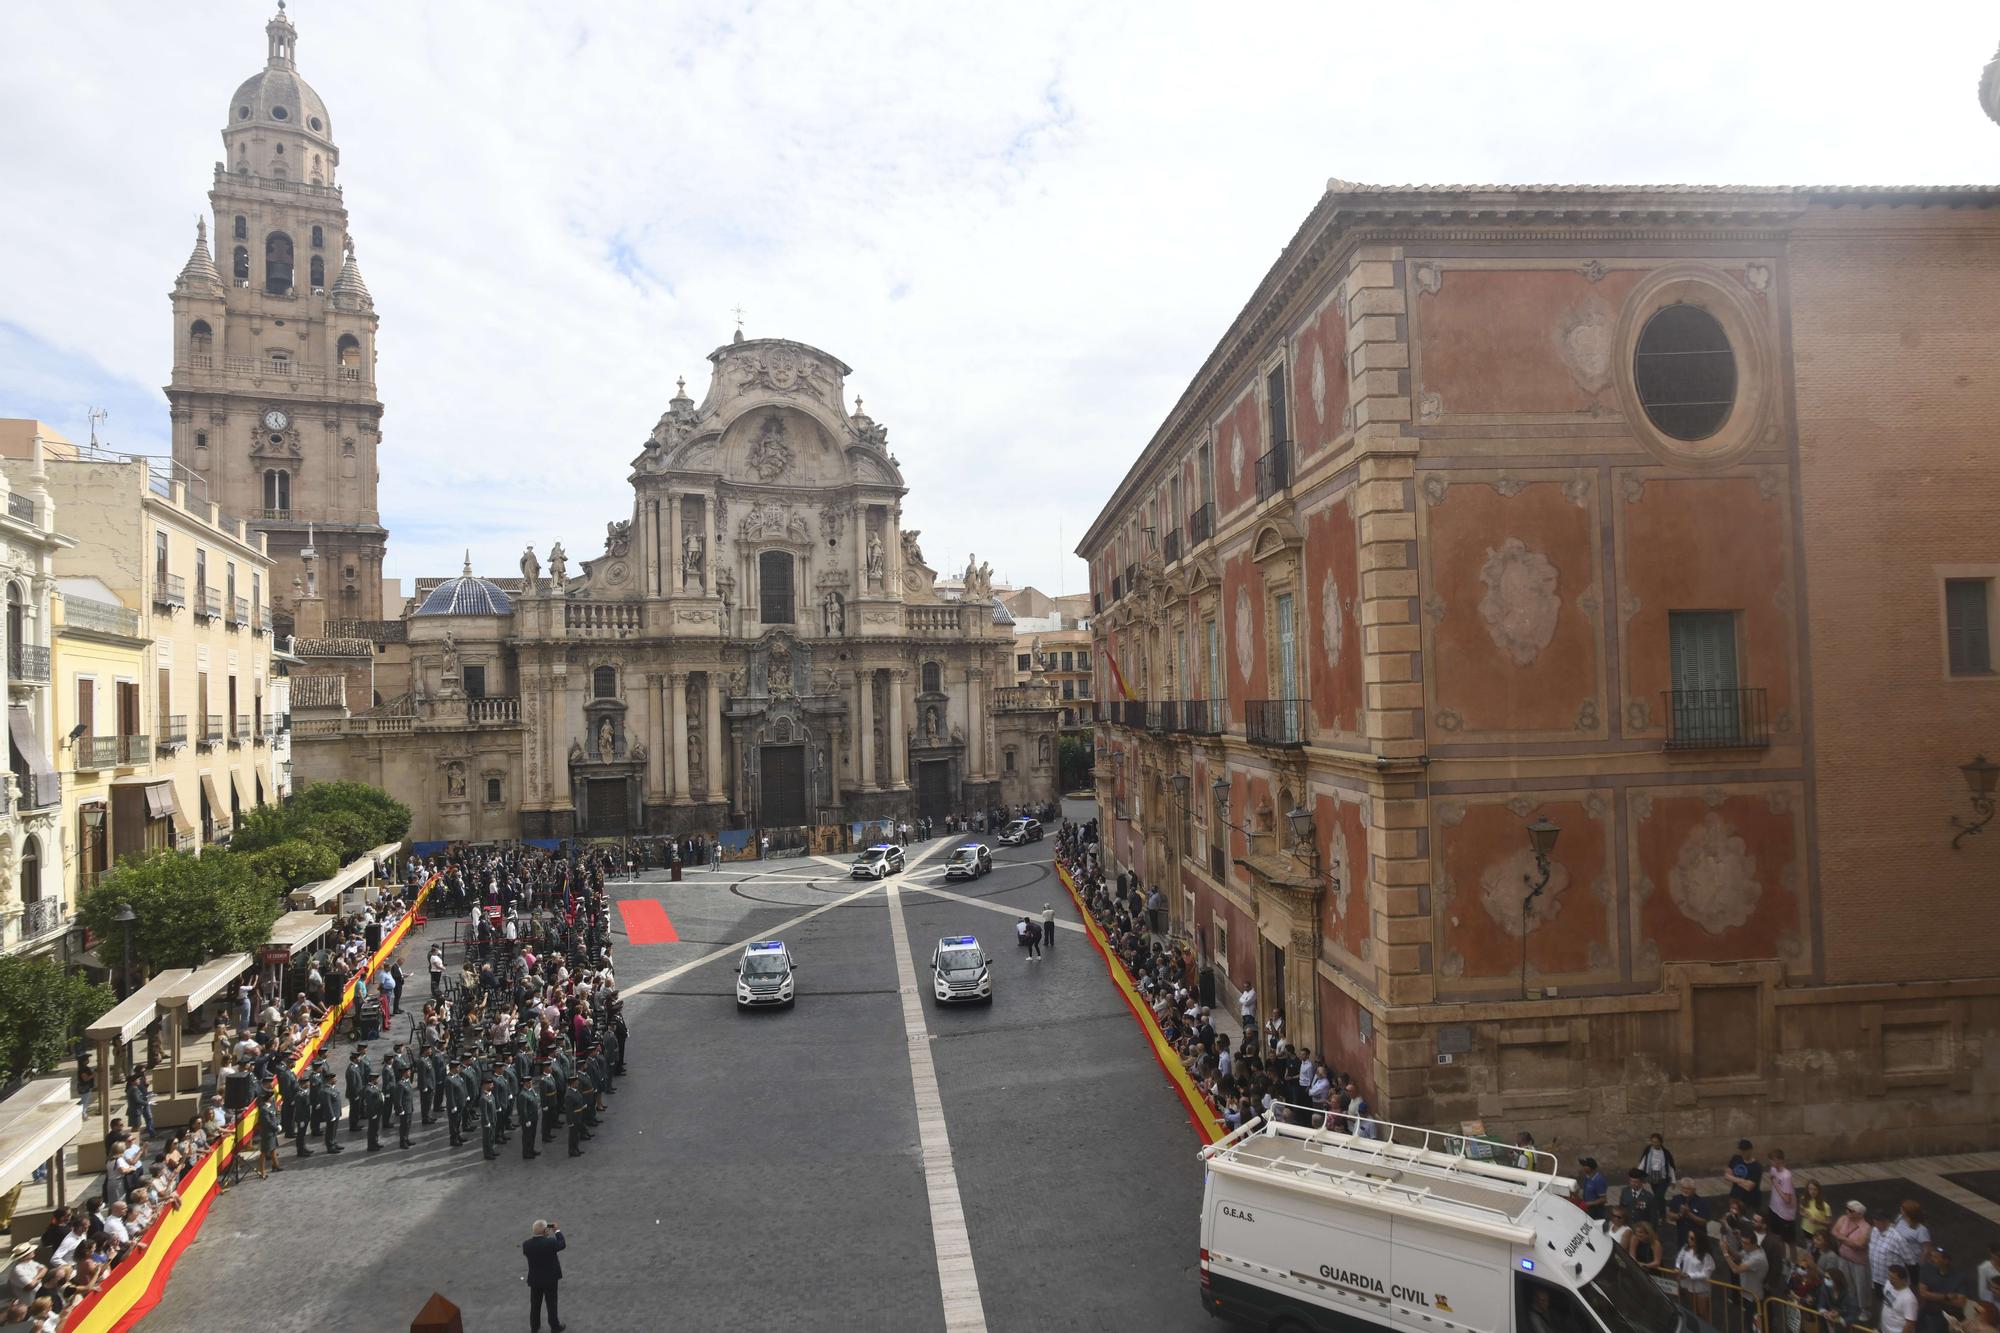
<point x="314" y="122"/>
<point x="243" y="113"/>
<point x="1685" y="372"/>
<point x="279" y="113"/>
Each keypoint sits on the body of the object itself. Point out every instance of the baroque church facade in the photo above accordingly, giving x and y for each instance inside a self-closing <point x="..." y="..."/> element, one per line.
<point x="759" y="643"/>
<point x="273" y="405"/>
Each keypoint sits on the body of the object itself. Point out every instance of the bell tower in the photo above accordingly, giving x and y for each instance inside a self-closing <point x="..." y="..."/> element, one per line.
<point x="275" y="417"/>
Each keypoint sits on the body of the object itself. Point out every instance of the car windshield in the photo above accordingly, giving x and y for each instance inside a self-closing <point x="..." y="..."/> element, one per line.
<point x="1627" y="1300"/>
<point x="764" y="965"/>
<point x="1018" y="825"/>
<point x="960" y="855"/>
<point x="869" y="858"/>
<point x="959" y="960"/>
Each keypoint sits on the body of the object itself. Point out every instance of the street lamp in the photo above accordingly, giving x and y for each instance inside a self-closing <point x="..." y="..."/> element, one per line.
<point x="125" y="917"/>
<point x="1980" y="776"/>
<point x="1301" y="821"/>
<point x="1542" y="837"/>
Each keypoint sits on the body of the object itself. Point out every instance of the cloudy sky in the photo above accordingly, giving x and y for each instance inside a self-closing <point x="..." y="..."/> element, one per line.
<point x="1024" y="225"/>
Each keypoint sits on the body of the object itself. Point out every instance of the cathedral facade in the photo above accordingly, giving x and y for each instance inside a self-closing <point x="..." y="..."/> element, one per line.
<point x="759" y="643"/>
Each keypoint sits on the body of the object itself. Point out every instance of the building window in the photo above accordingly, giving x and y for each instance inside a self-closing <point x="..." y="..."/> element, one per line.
<point x="239" y="266"/>
<point x="1685" y="372"/>
<point x="279" y="113"/>
<point x="1274" y="406"/>
<point x="493" y="792"/>
<point x="1010" y="759"/>
<point x="201" y="338"/>
<point x="201" y="439"/>
<point x="277" y="491"/>
<point x="31" y="870"/>
<point x="318" y="237"/>
<point x="348" y="352"/>
<point x="1222" y="945"/>
<point x="1968" y="626"/>
<point x="1069" y="661"/>
<point x="160" y="559"/>
<point x="774" y="581"/>
<point x="604" y="683"/>
<point x="317" y="270"/>
<point x="1069" y="689"/>
<point x="1024" y="662"/>
<point x="475" y="682"/>
<point x="933" y="678"/>
<point x="1288" y="650"/>
<point x="242" y="231"/>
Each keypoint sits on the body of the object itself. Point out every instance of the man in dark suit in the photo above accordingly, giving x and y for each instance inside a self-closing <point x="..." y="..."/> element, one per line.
<point x="544" y="1273"/>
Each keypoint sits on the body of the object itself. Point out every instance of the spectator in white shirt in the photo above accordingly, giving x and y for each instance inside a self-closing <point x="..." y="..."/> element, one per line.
<point x="1899" y="1303"/>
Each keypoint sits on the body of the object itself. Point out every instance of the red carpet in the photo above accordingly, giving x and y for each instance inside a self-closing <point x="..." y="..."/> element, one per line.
<point x="646" y="922"/>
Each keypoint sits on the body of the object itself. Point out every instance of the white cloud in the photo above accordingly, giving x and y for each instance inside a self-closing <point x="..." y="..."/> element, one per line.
<point x="1024" y="225"/>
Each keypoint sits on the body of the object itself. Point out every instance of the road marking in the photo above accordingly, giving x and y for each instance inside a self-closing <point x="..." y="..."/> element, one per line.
<point x="991" y="907"/>
<point x="958" y="1281"/>
<point x="646" y="922"/>
<point x="770" y="932"/>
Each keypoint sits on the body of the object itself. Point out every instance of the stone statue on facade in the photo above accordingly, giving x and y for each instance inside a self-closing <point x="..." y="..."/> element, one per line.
<point x="454" y="781"/>
<point x="617" y="537"/>
<point x="531" y="569"/>
<point x="874" y="557"/>
<point x="912" y="553"/>
<point x="931" y="723"/>
<point x="607" y="739"/>
<point x="693" y="556"/>
<point x="558" y="566"/>
<point x="833" y="613"/>
<point x="576" y="752"/>
<point x="694" y="754"/>
<point x="450" y="649"/>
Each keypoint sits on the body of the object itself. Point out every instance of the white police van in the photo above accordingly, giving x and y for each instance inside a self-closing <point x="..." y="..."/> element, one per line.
<point x="969" y="862"/>
<point x="1409" y="1229"/>
<point x="884" y="858"/>
<point x="961" y="971"/>
<point x="764" y="976"/>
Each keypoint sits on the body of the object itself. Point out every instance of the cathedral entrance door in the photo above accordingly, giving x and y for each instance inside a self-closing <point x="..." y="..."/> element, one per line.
<point x="782" y="797"/>
<point x="934" y="788"/>
<point x="606" y="811"/>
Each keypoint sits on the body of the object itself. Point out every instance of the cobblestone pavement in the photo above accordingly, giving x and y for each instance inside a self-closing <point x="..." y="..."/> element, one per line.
<point x="764" y="1170"/>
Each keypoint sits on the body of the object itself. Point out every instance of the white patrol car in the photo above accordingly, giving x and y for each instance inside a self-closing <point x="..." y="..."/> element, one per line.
<point x="969" y="862"/>
<point x="960" y="970"/>
<point x="879" y="861"/>
<point x="764" y="976"/>
<point x="1021" y="832"/>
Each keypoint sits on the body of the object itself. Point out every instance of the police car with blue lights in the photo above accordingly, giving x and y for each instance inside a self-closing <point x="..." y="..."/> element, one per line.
<point x="969" y="862"/>
<point x="764" y="976"/>
<point x="961" y="971"/>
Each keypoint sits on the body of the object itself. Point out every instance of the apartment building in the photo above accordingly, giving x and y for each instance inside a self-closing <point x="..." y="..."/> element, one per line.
<point x="197" y="585"/>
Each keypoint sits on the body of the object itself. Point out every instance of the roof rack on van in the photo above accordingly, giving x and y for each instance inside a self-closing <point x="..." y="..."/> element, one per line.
<point x="1394" y="1166"/>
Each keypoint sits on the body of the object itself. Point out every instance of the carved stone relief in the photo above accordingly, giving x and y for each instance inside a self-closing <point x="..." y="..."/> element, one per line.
<point x="1501" y="889"/>
<point x="1330" y="626"/>
<point x="1521" y="604"/>
<point x="1319" y="386"/>
<point x="1583" y="337"/>
<point x="1243" y="635"/>
<point x="1714" y="879"/>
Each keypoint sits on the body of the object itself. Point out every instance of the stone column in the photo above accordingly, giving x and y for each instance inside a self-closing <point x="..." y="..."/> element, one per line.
<point x="899" y="734"/>
<point x="656" y="726"/>
<point x="677" y="738"/>
<point x="975" y="722"/>
<point x="712" y="739"/>
<point x="671" y="557"/>
<point x="892" y="555"/>
<point x="860" y="553"/>
<point x="866" y="736"/>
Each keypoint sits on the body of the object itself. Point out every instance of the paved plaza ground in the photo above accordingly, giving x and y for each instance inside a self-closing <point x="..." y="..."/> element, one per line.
<point x="765" y="1170"/>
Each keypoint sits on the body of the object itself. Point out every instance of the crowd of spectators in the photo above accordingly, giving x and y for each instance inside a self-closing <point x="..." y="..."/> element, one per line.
<point x="1776" y="1234"/>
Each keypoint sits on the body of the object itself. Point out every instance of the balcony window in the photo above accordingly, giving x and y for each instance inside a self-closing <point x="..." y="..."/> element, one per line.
<point x="1968" y="626"/>
<point x="1707" y="706"/>
<point x="774" y="581"/>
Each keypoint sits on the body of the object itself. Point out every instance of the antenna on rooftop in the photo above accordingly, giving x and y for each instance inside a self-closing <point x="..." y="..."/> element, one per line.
<point x="96" y="415"/>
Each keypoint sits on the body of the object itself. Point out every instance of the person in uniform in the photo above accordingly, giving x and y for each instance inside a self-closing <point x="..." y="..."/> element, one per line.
<point x="292" y="1108"/>
<point x="573" y="1105"/>
<point x="267" y="1131"/>
<point x="528" y="1103"/>
<point x="329" y="1107"/>
<point x="489" y="1121"/>
<point x="427" y="1078"/>
<point x="404" y="1094"/>
<point x="375" y="1105"/>
<point x="357" y="1085"/>
<point x="454" y="1103"/>
<point x="551" y="1096"/>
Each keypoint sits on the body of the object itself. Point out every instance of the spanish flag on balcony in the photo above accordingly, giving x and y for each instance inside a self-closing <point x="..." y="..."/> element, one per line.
<point x="1117" y="676"/>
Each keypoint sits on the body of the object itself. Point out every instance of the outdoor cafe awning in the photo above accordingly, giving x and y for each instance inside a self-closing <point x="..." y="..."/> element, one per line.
<point x="316" y="896"/>
<point x="136" y="1012"/>
<point x="37" y="1122"/>
<point x="205" y="983"/>
<point x="385" y="856"/>
<point x="218" y="809"/>
<point x="295" y="930"/>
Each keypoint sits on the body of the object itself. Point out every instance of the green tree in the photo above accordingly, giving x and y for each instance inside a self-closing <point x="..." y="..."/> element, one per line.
<point x="264" y="826"/>
<point x="43" y="1010"/>
<point x="294" y="862"/>
<point x="1075" y="758"/>
<point x="364" y="816"/>
<point x="189" y="909"/>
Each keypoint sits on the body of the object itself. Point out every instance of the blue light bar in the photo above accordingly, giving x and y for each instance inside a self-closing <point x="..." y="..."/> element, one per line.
<point x="766" y="946"/>
<point x="962" y="939"/>
<point x="1527" y="1265"/>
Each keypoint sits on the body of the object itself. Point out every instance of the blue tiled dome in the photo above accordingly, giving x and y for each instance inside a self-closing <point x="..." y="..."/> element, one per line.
<point x="466" y="595"/>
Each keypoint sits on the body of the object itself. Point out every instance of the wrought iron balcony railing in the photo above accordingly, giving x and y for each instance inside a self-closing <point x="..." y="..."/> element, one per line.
<point x="44" y="916"/>
<point x="97" y="752"/>
<point x="1717" y="719"/>
<point x="1201" y="523"/>
<point x="1204" y="717"/>
<point x="169" y="590"/>
<point x="1173" y="548"/>
<point x="173" y="731"/>
<point x="28" y="664"/>
<point x="1278" y="722"/>
<point x="135" y="749"/>
<point x="211" y="734"/>
<point x="1274" y="470"/>
<point x="207" y="603"/>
